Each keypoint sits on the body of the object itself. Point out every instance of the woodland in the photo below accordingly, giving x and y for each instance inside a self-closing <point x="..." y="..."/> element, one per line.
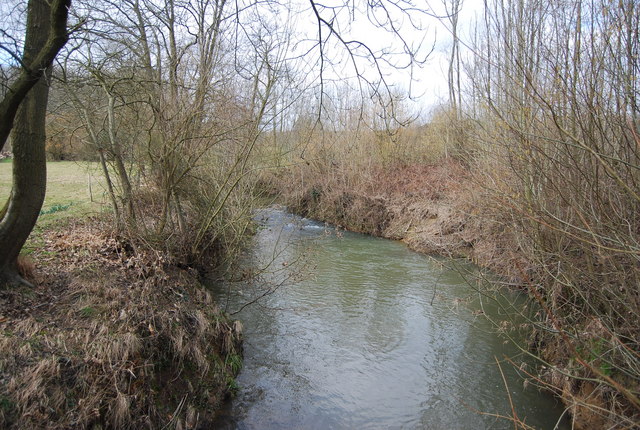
<point x="191" y="114"/>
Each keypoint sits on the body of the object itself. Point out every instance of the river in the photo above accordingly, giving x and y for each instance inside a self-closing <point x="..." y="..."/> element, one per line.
<point x="356" y="332"/>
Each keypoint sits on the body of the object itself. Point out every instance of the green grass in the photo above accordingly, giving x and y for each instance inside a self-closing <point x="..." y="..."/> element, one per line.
<point x="68" y="193"/>
<point x="88" y="312"/>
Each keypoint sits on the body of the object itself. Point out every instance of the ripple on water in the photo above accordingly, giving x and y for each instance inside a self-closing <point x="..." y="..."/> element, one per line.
<point x="379" y="337"/>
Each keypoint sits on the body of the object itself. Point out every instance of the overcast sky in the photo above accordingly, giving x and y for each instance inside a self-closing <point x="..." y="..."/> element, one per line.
<point x="427" y="81"/>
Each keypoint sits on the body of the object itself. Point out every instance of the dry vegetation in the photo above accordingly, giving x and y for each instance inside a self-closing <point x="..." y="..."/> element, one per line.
<point x="534" y="173"/>
<point x="572" y="247"/>
<point x="111" y="339"/>
<point x="409" y="187"/>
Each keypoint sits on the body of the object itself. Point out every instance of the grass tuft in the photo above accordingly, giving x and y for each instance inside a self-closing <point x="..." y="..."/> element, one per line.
<point x="55" y="208"/>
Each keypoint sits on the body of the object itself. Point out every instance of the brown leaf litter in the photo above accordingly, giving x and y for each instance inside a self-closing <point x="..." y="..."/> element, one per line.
<point x="109" y="338"/>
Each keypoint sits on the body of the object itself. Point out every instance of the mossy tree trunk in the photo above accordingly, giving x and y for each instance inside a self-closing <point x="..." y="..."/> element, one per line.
<point x="23" y="112"/>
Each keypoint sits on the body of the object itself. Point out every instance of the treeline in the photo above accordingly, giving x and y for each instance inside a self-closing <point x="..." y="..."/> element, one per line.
<point x="198" y="108"/>
<point x="554" y="95"/>
<point x="171" y="102"/>
<point x="543" y="114"/>
<point x="559" y="122"/>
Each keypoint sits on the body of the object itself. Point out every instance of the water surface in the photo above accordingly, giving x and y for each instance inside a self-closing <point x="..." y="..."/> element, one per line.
<point x="356" y="332"/>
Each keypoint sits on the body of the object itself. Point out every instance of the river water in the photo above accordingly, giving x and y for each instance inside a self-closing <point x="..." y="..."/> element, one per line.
<point x="356" y="332"/>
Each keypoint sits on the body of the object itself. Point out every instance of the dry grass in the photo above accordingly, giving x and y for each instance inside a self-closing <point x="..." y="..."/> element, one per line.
<point x="582" y="333"/>
<point x="432" y="207"/>
<point x="109" y="339"/>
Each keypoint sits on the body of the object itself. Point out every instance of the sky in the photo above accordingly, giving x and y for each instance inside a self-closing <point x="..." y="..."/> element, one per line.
<point x="427" y="81"/>
<point x="427" y="78"/>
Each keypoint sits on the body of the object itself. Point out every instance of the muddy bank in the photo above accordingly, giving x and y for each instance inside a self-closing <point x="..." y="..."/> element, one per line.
<point x="432" y="208"/>
<point x="111" y="339"/>
<point x="443" y="209"/>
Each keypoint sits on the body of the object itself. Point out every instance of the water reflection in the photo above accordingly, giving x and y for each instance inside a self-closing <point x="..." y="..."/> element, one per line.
<point x="379" y="337"/>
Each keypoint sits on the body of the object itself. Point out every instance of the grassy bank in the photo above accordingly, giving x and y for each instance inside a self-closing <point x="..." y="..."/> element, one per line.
<point x="108" y="337"/>
<point x="74" y="190"/>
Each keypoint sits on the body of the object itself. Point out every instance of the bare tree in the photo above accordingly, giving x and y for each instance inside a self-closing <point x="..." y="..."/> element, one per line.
<point x="558" y="112"/>
<point x="26" y="102"/>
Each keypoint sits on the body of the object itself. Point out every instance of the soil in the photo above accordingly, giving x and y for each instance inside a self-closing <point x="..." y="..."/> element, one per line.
<point x="432" y="208"/>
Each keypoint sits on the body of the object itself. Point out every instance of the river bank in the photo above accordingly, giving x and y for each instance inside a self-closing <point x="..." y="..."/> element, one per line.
<point x="372" y="335"/>
<point x="445" y="209"/>
<point x="108" y="338"/>
<point x="433" y="208"/>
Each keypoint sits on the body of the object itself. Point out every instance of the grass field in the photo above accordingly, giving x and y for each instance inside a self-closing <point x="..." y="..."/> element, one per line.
<point x="74" y="189"/>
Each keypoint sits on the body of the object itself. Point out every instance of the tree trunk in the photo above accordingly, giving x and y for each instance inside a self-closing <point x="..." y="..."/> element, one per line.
<point x="19" y="215"/>
<point x="51" y="35"/>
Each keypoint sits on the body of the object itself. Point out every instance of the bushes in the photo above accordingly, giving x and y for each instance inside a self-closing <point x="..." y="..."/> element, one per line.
<point x="558" y="217"/>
